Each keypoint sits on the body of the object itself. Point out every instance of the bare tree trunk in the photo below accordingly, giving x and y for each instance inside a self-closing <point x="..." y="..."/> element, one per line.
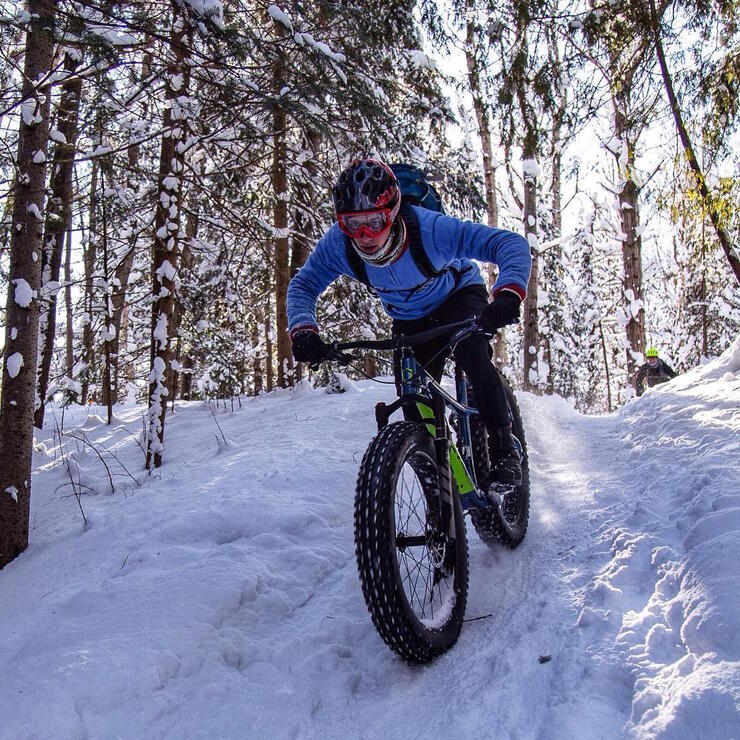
<point x="22" y="312"/>
<point x="306" y="227"/>
<point x="257" y="360"/>
<point x="553" y="267"/>
<point x="88" y="351"/>
<point x="473" y="32"/>
<point x="58" y="220"/>
<point x="625" y="131"/>
<point x="631" y="241"/>
<point x="481" y="112"/>
<point x="298" y="256"/>
<point x="119" y="288"/>
<point x="126" y="371"/>
<point x="557" y="173"/>
<point x="632" y="260"/>
<point x="709" y="203"/>
<point x="530" y="313"/>
<point x="191" y="230"/>
<point x="118" y="301"/>
<point x="70" y="338"/>
<point x="107" y="391"/>
<point x="187" y="261"/>
<point x="167" y="232"/>
<point x="268" y="348"/>
<point x="187" y="378"/>
<point x="172" y="374"/>
<point x="606" y="368"/>
<point x="560" y="108"/>
<point x="280" y="222"/>
<point x="530" y="137"/>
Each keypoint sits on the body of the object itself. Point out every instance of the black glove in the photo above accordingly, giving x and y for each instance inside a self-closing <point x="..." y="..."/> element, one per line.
<point x="309" y="347"/>
<point x="502" y="311"/>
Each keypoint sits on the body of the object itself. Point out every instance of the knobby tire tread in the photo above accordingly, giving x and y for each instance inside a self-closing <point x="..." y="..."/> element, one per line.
<point x="487" y="522"/>
<point x="375" y="551"/>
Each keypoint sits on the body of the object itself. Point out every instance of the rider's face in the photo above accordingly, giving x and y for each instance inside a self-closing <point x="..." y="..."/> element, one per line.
<point x="371" y="244"/>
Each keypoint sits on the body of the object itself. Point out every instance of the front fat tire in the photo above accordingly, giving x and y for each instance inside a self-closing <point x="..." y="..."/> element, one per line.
<point x="380" y="563"/>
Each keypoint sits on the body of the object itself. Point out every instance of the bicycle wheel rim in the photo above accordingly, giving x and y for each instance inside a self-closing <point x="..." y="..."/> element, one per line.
<point x="425" y="560"/>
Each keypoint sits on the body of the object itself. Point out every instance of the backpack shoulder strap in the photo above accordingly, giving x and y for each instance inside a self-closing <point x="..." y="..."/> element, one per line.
<point x="356" y="263"/>
<point x="418" y="252"/>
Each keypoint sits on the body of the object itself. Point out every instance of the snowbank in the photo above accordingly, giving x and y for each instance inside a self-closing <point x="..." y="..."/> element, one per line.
<point x="219" y="597"/>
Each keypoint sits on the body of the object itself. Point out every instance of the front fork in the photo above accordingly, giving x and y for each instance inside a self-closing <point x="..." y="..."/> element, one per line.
<point x="434" y="418"/>
<point x="465" y="439"/>
<point x="442" y="450"/>
<point x="452" y="464"/>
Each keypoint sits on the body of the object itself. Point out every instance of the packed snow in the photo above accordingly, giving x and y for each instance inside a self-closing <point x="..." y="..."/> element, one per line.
<point x="219" y="596"/>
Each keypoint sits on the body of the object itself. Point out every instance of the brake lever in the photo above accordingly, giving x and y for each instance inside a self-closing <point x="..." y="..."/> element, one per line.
<point x="338" y="355"/>
<point x="472" y="327"/>
<point x="333" y="354"/>
<point x="344" y="358"/>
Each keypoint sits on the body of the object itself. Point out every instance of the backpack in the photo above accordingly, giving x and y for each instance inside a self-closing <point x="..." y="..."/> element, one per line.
<point x="417" y="191"/>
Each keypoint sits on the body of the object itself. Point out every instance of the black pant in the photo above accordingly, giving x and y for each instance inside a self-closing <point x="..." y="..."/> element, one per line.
<point x="473" y="354"/>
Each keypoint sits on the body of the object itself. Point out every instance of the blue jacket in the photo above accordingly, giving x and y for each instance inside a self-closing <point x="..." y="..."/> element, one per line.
<point x="403" y="290"/>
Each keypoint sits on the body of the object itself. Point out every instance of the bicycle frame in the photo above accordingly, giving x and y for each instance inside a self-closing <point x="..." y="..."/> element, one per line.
<point x="424" y="395"/>
<point x="423" y="398"/>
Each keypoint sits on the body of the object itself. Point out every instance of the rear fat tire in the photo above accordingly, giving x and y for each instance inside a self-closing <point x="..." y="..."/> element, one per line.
<point x="408" y="447"/>
<point x="493" y="528"/>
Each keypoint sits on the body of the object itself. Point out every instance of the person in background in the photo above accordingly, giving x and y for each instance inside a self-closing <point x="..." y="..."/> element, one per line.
<point x="372" y="221"/>
<point x="654" y="371"/>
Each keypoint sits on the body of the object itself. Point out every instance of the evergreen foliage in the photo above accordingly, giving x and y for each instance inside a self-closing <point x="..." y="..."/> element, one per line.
<point x="344" y="82"/>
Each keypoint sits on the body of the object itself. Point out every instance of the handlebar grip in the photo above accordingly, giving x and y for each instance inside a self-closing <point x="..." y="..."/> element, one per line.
<point x="333" y="353"/>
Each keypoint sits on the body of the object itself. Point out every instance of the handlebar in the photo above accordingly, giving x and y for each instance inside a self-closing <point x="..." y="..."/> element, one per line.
<point x="460" y="330"/>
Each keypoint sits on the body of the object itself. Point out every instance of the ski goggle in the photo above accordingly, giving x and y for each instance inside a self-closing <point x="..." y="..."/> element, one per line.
<point x="365" y="223"/>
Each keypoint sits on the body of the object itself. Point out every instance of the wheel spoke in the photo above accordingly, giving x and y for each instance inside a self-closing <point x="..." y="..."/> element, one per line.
<point x="416" y="599"/>
<point x="424" y="582"/>
<point x="413" y="498"/>
<point x="413" y="583"/>
<point x="413" y="576"/>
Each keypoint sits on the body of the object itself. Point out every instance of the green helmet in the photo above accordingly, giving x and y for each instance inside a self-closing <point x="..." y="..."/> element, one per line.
<point x="651" y="352"/>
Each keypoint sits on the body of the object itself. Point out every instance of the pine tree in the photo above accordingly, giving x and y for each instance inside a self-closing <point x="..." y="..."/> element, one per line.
<point x="615" y="33"/>
<point x="167" y="224"/>
<point x="59" y="214"/>
<point x="22" y="312"/>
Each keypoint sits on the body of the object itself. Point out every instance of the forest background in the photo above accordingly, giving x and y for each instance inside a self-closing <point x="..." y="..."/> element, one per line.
<point x="166" y="168"/>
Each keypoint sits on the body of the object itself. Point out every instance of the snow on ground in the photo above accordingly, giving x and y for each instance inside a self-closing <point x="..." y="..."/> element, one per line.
<point x="219" y="598"/>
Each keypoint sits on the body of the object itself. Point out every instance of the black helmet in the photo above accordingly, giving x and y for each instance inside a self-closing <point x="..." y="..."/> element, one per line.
<point x="366" y="185"/>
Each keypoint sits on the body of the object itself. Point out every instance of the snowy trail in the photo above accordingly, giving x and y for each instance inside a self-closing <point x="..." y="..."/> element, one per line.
<point x="221" y="598"/>
<point x="527" y="593"/>
<point x="536" y="593"/>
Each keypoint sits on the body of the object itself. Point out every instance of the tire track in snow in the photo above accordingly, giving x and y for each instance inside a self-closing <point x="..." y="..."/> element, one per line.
<point x="534" y="595"/>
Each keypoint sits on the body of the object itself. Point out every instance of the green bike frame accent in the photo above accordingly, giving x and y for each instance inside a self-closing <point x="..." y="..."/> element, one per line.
<point x="457" y="467"/>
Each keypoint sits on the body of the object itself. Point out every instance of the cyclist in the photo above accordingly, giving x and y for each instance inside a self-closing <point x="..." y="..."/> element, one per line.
<point x="654" y="371"/>
<point x="367" y="201"/>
